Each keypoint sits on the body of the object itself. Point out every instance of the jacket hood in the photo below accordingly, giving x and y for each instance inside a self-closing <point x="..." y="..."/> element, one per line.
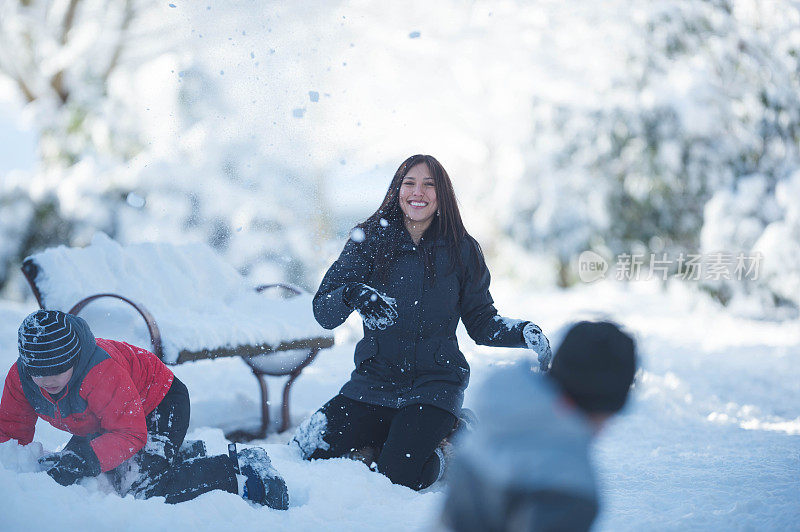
<point x="89" y="347"/>
<point x="528" y="437"/>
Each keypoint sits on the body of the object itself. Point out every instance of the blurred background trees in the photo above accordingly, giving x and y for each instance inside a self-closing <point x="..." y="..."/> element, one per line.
<point x="693" y="148"/>
<point x="63" y="58"/>
<point x="269" y="129"/>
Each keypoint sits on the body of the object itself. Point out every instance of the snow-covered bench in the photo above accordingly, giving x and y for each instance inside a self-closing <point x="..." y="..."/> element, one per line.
<point x="194" y="304"/>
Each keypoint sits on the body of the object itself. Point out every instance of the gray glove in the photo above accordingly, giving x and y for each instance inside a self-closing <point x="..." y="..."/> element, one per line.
<point x="538" y="342"/>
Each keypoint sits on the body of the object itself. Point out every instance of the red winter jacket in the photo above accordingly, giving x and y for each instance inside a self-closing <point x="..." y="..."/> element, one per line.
<point x="113" y="387"/>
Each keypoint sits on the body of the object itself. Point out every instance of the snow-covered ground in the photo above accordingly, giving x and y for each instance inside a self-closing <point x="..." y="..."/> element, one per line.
<point x="710" y="441"/>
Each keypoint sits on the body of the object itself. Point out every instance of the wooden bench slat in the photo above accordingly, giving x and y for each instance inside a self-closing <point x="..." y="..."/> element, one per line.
<point x="253" y="350"/>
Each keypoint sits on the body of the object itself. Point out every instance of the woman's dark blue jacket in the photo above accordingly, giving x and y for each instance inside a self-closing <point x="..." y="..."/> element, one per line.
<point x="417" y="360"/>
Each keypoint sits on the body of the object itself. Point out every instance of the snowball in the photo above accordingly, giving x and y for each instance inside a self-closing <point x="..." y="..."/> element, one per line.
<point x="135" y="200"/>
<point x="357" y="235"/>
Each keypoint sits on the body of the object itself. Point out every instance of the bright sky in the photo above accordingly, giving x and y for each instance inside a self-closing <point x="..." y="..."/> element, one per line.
<point x="17" y="142"/>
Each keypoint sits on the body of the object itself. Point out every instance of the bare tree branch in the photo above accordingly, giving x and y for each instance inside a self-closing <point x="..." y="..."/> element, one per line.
<point x="69" y="20"/>
<point x="12" y="55"/>
<point x="57" y="81"/>
<point x="127" y="17"/>
<point x="26" y="91"/>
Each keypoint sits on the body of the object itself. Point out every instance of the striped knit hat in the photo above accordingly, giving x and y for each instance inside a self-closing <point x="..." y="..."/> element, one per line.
<point x="48" y="343"/>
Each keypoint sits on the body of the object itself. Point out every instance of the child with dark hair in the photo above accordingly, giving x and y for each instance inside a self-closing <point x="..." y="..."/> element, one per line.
<point x="526" y="466"/>
<point x="128" y="415"/>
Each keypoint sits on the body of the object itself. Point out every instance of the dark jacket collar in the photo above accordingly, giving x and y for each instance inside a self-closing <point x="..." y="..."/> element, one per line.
<point x="407" y="244"/>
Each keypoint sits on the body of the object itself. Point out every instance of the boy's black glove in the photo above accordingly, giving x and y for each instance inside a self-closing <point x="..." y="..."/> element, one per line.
<point x="377" y="310"/>
<point x="75" y="462"/>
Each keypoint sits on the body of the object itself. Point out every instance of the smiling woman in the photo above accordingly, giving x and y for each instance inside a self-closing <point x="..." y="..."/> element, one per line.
<point x="418" y="200"/>
<point x="412" y="273"/>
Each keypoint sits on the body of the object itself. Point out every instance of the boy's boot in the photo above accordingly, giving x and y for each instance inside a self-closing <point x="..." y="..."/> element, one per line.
<point x="264" y="484"/>
<point x="191" y="450"/>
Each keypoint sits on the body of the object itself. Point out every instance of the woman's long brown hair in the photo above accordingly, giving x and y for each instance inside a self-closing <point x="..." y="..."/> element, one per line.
<point x="447" y="224"/>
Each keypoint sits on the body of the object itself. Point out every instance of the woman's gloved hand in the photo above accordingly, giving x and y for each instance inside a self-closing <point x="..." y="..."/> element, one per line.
<point x="377" y="310"/>
<point x="537" y="341"/>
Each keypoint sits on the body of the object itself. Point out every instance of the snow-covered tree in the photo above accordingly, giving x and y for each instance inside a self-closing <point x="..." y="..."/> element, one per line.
<point x="685" y="150"/>
<point x="140" y="137"/>
<point x="63" y="56"/>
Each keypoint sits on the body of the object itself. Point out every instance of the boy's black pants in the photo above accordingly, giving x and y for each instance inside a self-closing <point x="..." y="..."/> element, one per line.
<point x="406" y="437"/>
<point x="158" y="470"/>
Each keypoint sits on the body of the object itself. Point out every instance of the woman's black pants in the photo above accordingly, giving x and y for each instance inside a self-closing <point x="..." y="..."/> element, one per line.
<point x="406" y="437"/>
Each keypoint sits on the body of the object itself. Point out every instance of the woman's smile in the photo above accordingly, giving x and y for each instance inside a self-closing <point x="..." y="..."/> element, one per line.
<point x="418" y="197"/>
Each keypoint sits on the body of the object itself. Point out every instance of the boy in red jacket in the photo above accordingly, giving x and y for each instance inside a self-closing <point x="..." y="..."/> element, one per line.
<point x="128" y="415"/>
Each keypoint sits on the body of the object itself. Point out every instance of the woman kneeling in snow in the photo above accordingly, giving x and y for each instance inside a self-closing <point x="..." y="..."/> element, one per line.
<point x="128" y="415"/>
<point x="411" y="270"/>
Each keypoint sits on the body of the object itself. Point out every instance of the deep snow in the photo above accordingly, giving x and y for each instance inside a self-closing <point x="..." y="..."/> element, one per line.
<point x="711" y="439"/>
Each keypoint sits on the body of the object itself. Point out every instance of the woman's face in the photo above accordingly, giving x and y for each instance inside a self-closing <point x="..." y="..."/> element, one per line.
<point x="418" y="194"/>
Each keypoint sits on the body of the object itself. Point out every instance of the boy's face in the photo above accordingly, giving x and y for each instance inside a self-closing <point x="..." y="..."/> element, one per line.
<point x="54" y="383"/>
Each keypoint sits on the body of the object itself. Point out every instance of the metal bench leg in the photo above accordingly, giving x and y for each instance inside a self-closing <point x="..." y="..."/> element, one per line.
<point x="262" y="433"/>
<point x="241" y="435"/>
<point x="285" y="418"/>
